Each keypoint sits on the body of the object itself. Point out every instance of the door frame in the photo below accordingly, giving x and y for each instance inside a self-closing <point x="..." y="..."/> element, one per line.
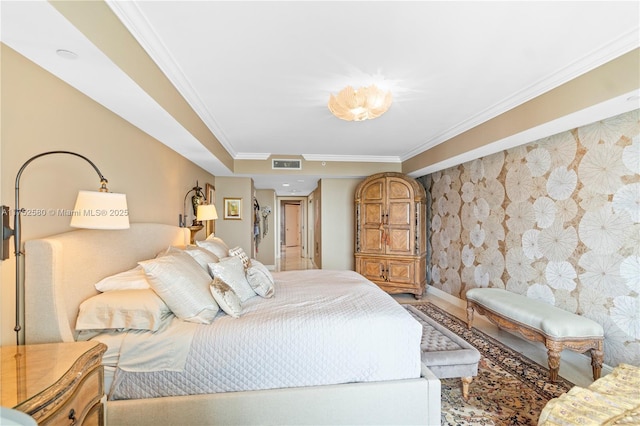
<point x="280" y="201"/>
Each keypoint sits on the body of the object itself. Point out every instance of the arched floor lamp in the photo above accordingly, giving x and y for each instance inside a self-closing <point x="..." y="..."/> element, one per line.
<point x="94" y="210"/>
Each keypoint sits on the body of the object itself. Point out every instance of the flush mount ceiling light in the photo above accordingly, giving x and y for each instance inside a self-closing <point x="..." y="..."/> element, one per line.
<point x="66" y="54"/>
<point x="361" y="104"/>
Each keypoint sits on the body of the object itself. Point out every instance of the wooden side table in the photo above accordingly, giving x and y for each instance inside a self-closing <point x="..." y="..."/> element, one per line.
<point x="55" y="383"/>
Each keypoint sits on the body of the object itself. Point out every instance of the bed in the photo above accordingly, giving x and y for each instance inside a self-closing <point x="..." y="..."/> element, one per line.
<point x="60" y="274"/>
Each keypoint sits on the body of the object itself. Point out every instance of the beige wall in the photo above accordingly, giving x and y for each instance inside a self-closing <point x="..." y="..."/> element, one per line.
<point x="236" y="233"/>
<point x="337" y="215"/>
<point x="41" y="113"/>
<point x="315" y="168"/>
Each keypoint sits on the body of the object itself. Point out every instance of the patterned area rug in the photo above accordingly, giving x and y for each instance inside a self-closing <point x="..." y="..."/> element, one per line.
<point x="510" y="389"/>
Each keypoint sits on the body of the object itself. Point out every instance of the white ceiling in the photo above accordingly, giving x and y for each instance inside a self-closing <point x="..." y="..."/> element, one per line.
<point x="259" y="74"/>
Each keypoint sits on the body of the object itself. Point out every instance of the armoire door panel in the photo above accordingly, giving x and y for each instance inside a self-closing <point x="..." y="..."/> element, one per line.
<point x="373" y="214"/>
<point x="401" y="271"/>
<point x="399" y="241"/>
<point x="400" y="214"/>
<point x="373" y="269"/>
<point x="374" y="191"/>
<point x="398" y="189"/>
<point x="372" y="241"/>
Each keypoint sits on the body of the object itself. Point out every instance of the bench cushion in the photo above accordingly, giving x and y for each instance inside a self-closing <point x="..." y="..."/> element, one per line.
<point x="444" y="352"/>
<point x="550" y="320"/>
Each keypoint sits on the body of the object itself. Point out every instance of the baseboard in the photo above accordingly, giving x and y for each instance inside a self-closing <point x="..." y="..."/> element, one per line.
<point x="449" y="298"/>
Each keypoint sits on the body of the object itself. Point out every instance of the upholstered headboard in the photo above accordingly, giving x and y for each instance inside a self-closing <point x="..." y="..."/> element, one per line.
<point x="61" y="270"/>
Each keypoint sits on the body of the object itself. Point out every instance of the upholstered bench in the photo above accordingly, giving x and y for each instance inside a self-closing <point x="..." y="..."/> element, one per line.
<point x="538" y="321"/>
<point x="446" y="354"/>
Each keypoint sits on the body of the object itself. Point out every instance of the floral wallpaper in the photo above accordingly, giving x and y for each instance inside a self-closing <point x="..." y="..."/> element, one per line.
<point x="557" y="219"/>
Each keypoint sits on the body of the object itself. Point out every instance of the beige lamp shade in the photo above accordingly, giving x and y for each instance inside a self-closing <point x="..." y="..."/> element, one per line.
<point x="100" y="210"/>
<point x="206" y="212"/>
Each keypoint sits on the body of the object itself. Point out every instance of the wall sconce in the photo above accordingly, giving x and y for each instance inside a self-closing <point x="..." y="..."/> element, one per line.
<point x="196" y="200"/>
<point x="94" y="209"/>
<point x="206" y="212"/>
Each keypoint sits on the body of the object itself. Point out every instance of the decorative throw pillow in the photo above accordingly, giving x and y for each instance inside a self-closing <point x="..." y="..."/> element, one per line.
<point x="215" y="246"/>
<point x="183" y="285"/>
<point x="264" y="269"/>
<point x="231" y="271"/>
<point x="227" y="299"/>
<point x="260" y="279"/>
<point x="123" y="309"/>
<point x="133" y="279"/>
<point x="238" y="251"/>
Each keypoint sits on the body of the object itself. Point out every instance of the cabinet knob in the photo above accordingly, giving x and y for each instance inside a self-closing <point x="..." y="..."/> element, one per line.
<point x="72" y="417"/>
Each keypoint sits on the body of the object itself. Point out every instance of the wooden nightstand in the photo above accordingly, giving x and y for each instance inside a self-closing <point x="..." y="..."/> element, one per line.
<point x="55" y="383"/>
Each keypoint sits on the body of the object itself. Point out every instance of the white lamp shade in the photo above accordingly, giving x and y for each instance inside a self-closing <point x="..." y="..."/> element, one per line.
<point x="100" y="210"/>
<point x="207" y="212"/>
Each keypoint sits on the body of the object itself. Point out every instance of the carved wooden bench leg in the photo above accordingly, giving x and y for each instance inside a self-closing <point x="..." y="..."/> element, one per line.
<point x="553" y="354"/>
<point x="469" y="315"/>
<point x="597" y="357"/>
<point x="466" y="381"/>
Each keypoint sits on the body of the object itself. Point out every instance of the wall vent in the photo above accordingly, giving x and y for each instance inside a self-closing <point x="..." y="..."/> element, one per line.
<point x="287" y="164"/>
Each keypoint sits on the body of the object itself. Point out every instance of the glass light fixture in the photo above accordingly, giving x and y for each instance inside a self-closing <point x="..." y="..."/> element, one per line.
<point x="360" y="104"/>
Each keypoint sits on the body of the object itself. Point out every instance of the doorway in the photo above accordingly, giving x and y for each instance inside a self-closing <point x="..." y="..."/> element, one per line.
<point x="292" y="220"/>
<point x="291" y="224"/>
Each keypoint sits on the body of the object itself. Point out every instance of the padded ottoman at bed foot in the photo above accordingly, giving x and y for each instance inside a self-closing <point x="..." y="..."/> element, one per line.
<point x="446" y="354"/>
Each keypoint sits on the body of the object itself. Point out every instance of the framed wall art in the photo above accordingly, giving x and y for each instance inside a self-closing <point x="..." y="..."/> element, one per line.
<point x="233" y="208"/>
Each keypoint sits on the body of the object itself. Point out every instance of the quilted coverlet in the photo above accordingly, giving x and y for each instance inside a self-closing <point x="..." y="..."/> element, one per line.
<point x="321" y="327"/>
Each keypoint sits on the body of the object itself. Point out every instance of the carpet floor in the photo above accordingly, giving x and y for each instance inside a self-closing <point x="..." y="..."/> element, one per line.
<point x="510" y="389"/>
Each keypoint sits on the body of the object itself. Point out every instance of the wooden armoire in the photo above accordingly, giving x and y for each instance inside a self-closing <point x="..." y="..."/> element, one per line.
<point x="391" y="240"/>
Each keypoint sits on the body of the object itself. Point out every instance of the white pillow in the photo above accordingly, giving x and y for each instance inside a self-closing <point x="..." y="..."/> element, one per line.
<point x="212" y="237"/>
<point x="123" y="309"/>
<point x="231" y="271"/>
<point x="183" y="285"/>
<point x="215" y="246"/>
<point x="260" y="283"/>
<point x="133" y="279"/>
<point x="238" y="251"/>
<point x="264" y="269"/>
<point x="202" y="256"/>
<point x="226" y="297"/>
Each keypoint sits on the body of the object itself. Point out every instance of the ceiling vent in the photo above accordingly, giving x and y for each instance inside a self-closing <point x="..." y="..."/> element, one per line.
<point x="287" y="164"/>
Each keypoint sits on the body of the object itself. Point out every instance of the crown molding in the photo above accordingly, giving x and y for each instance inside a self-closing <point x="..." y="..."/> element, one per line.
<point x="352" y="158"/>
<point x="133" y="19"/>
<point x="606" y="53"/>
<point x="618" y="105"/>
<point x="252" y="156"/>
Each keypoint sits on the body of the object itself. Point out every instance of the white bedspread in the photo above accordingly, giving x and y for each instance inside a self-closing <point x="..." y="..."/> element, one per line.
<point x="322" y="327"/>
